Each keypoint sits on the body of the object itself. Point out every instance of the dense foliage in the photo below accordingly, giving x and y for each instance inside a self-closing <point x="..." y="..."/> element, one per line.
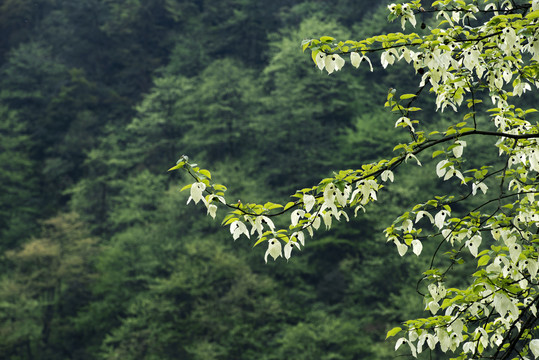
<point x="473" y="54"/>
<point x="101" y="259"/>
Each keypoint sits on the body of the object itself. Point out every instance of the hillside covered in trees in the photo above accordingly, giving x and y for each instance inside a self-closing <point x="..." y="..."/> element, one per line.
<point x="99" y="257"/>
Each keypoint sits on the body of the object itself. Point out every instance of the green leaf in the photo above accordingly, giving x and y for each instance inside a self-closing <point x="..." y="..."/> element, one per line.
<point x="533" y="15"/>
<point x="188" y="186"/>
<point x="436" y="153"/>
<point x="219" y="187"/>
<point x="289" y="205"/>
<point x="271" y="206"/>
<point x="393" y="332"/>
<point x="305" y="44"/>
<point x="260" y="240"/>
<point x="326" y="39"/>
<point x="407" y="96"/>
<point x="314" y="53"/>
<point x="178" y="166"/>
<point x="483" y="260"/>
<point x="206" y="173"/>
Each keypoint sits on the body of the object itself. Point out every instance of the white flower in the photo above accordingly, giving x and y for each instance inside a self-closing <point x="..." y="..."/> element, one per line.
<point x="439" y="218"/>
<point x="433" y="306"/>
<point x="482" y="186"/>
<point x="356" y="59"/>
<point x="274" y="249"/>
<point x="308" y="201"/>
<point x="333" y="62"/>
<point x="441" y="168"/>
<point x="321" y="60"/>
<point x="300" y="236"/>
<point x="196" y="192"/>
<point x="420" y="215"/>
<point x="471" y="58"/>
<point x="457" y="150"/>
<point x="296" y="215"/>
<point x="212" y="210"/>
<point x="406" y="121"/>
<point x="387" y="174"/>
<point x="259" y="226"/>
<point x="237" y="228"/>
<point x="401" y="248"/>
<point x="288" y="248"/>
<point x="387" y="58"/>
<point x="326" y="216"/>
<point x="473" y="244"/>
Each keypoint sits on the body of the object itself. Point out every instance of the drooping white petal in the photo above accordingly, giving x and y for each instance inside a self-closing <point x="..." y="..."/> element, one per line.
<point x="288" y="248"/>
<point x="329" y="63"/>
<point x="339" y="62"/>
<point x="327" y="219"/>
<point x="321" y="60"/>
<point x="417" y="247"/>
<point x="316" y="223"/>
<point x="514" y="252"/>
<point x="212" y="210"/>
<point x="296" y="215"/>
<point x="197" y="190"/>
<point x="433" y="306"/>
<point x="473" y="244"/>
<point x="422" y="213"/>
<point x="274" y="249"/>
<point x="369" y="61"/>
<point x="401" y="248"/>
<point x="441" y="168"/>
<point x="268" y="221"/>
<point x="482" y="186"/>
<point x="410" y="155"/>
<point x="355" y="59"/>
<point x="237" y="228"/>
<point x="440" y="217"/>
<point x="298" y="236"/>
<point x="308" y="201"/>
<point x="534" y="347"/>
<point x="457" y="150"/>
<point x="387" y="174"/>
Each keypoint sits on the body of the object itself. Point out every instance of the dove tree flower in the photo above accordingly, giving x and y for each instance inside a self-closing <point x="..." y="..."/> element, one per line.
<point x="475" y="58"/>
<point x="274" y="249"/>
<point x="330" y="62"/>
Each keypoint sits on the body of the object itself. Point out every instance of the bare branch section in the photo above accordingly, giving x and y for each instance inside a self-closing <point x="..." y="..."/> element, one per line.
<point x="470" y="55"/>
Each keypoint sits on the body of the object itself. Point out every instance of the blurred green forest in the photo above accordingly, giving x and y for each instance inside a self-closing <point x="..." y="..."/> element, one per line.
<point x="99" y="256"/>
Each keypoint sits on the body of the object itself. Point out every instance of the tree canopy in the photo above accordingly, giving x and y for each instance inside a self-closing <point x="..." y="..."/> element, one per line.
<point x="101" y="259"/>
<point x="480" y="226"/>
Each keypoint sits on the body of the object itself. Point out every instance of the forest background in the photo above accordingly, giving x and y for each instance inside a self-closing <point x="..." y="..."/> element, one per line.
<point x="100" y="257"/>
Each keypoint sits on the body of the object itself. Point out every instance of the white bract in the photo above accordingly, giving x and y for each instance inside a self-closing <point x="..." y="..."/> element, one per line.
<point x="197" y="189"/>
<point x="274" y="249"/>
<point x="308" y="201"/>
<point x="288" y="248"/>
<point x="212" y="210"/>
<point x="356" y="60"/>
<point x="330" y="62"/>
<point x="237" y="228"/>
<point x="534" y="348"/>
